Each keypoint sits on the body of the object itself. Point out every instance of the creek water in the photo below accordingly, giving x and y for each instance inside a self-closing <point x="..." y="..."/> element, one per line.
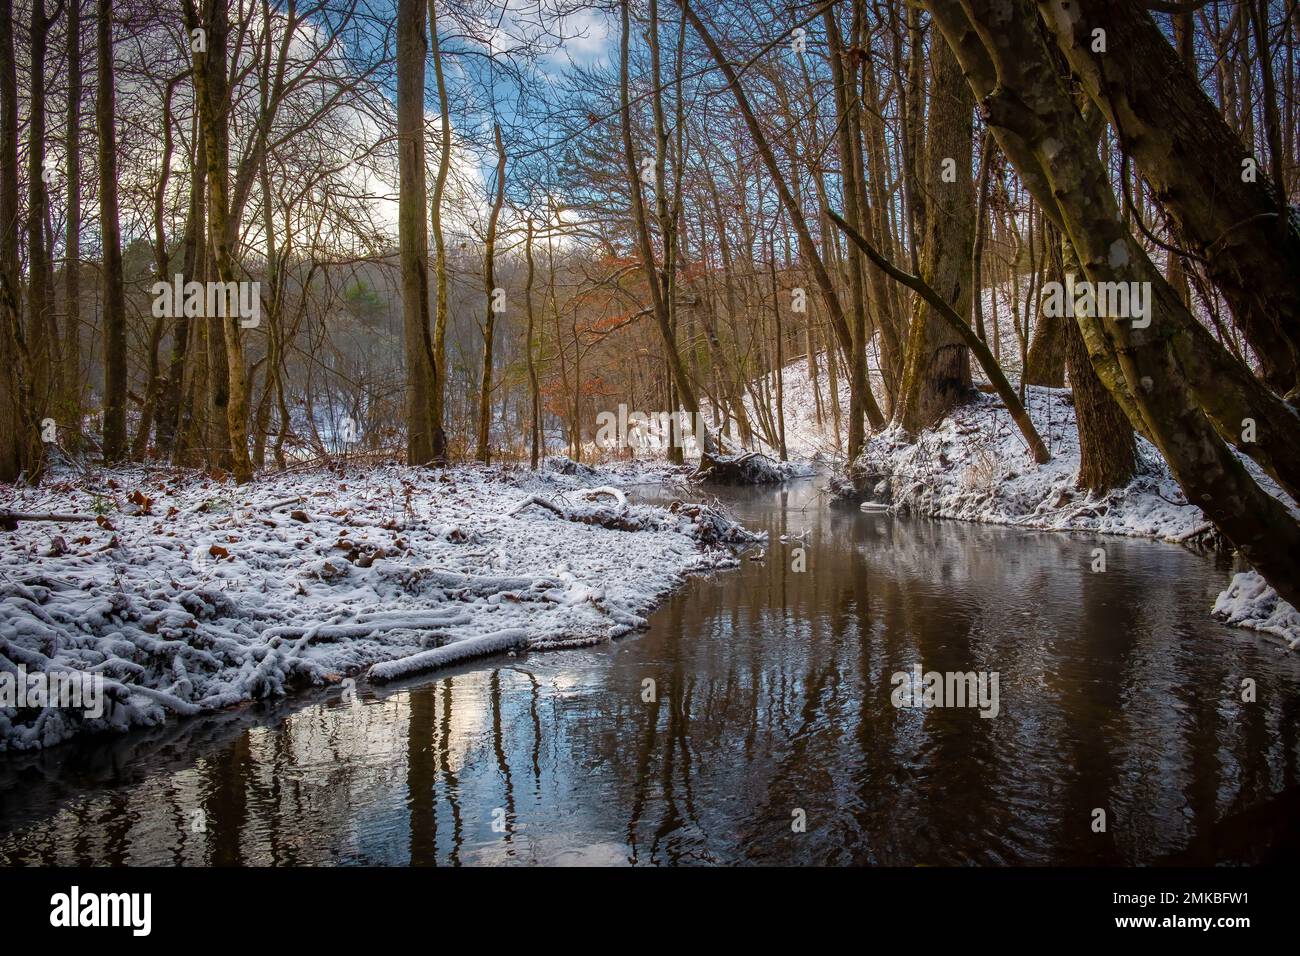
<point x="769" y="733"/>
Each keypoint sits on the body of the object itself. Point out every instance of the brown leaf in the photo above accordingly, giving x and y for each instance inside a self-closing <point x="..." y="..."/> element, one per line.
<point x="105" y="523"/>
<point x="299" y="516"/>
<point x="217" y="551"/>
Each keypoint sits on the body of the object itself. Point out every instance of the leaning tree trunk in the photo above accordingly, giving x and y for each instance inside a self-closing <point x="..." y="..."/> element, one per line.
<point x="1032" y="114"/>
<point x="1193" y="161"/>
<point x="1227" y="391"/>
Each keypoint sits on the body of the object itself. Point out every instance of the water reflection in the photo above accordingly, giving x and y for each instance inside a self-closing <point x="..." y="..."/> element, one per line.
<point x="772" y="696"/>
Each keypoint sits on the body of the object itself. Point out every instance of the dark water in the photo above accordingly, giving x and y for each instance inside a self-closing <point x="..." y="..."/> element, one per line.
<point x="1116" y="691"/>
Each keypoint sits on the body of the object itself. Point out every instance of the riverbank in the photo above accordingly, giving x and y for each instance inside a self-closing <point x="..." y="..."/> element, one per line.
<point x="187" y="595"/>
<point x="975" y="466"/>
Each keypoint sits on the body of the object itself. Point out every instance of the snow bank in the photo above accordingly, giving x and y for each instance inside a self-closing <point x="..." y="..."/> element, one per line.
<point x="976" y="467"/>
<point x="187" y="595"/>
<point x="1249" y="602"/>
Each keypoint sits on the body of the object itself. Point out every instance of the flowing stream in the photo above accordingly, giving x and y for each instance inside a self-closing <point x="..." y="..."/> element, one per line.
<point x="768" y="735"/>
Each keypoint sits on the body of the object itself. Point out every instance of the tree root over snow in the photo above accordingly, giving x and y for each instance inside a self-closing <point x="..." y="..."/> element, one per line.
<point x="615" y="519"/>
<point x="751" y="468"/>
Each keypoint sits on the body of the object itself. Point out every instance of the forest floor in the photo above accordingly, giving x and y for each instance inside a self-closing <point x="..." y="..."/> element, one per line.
<point x="187" y="594"/>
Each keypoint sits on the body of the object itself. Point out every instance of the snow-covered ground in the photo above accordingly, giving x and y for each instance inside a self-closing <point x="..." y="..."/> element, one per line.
<point x="975" y="466"/>
<point x="187" y="595"/>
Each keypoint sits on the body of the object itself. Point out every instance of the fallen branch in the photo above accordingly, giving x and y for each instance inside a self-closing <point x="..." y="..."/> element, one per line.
<point x="604" y="517"/>
<point x="606" y="490"/>
<point x="453" y="653"/>
<point x="9" y="519"/>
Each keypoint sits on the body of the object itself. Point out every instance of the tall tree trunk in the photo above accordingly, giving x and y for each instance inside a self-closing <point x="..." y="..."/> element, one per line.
<point x="855" y="213"/>
<point x="437" y="345"/>
<point x="482" y="451"/>
<point x="20" y="446"/>
<point x="115" y="380"/>
<point x="43" y="339"/>
<point x="71" y="404"/>
<point x="534" y="388"/>
<point x="214" y="110"/>
<point x="936" y="372"/>
<point x="412" y="230"/>
<point x="162" y="268"/>
<point x="171" y="412"/>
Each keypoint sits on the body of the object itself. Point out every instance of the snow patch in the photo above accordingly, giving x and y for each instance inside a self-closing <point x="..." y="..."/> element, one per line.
<point x="1249" y="602"/>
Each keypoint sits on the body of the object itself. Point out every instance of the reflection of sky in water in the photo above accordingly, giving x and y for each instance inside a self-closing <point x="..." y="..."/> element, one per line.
<point x="773" y="694"/>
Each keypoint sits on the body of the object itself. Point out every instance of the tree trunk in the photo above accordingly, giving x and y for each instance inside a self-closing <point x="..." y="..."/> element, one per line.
<point x="1046" y="360"/>
<point x="482" y="451"/>
<point x="171" y="414"/>
<point x="70" y="407"/>
<point x="1036" y="121"/>
<point x="1107" y="450"/>
<point x="534" y="389"/>
<point x="413" y="237"/>
<point x="936" y="370"/>
<point x="214" y="108"/>
<point x="1193" y="161"/>
<point x="20" y="446"/>
<point x="43" y="336"/>
<point x="437" y="346"/>
<point x="115" y="381"/>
